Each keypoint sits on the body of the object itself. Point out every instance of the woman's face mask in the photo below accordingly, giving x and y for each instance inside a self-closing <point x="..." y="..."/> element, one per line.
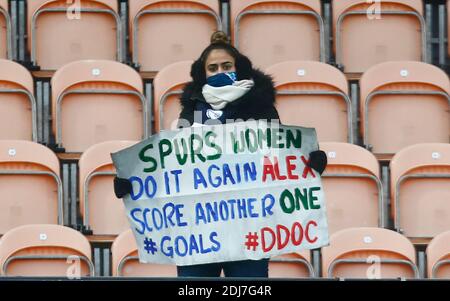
<point x="221" y="79"/>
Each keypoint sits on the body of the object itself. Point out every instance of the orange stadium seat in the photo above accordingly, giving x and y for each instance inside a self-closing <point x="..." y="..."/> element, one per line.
<point x="438" y="256"/>
<point x="448" y="24"/>
<point x="125" y="260"/>
<point x="293" y="265"/>
<point x="102" y="212"/>
<point x="30" y="186"/>
<point x="45" y="250"/>
<point x="314" y="94"/>
<point x="420" y="189"/>
<point x="270" y="31"/>
<point x="17" y="103"/>
<point x="6" y="45"/>
<point x="369" y="33"/>
<point x="164" y="32"/>
<point x="167" y="89"/>
<point x="404" y="103"/>
<point x="95" y="101"/>
<point x="352" y="187"/>
<point x="369" y="253"/>
<point x="64" y="31"/>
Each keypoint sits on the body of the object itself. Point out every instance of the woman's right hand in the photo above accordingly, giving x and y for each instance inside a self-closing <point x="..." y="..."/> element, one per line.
<point x="122" y="187"/>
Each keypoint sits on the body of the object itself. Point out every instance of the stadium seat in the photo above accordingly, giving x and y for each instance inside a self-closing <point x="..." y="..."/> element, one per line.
<point x="64" y="31"/>
<point x="167" y="89"/>
<point x="369" y="253"/>
<point x="438" y="256"/>
<point x="30" y="186"/>
<point x="408" y="100"/>
<point x="448" y="25"/>
<point x="420" y="189"/>
<point x="6" y="46"/>
<point x="352" y="186"/>
<point x="293" y="265"/>
<point x="45" y="250"/>
<point x="102" y="212"/>
<point x="95" y="101"/>
<point x="314" y="94"/>
<point x="125" y="260"/>
<point x="369" y="33"/>
<point x="270" y="32"/>
<point x="164" y="32"/>
<point x="17" y="103"/>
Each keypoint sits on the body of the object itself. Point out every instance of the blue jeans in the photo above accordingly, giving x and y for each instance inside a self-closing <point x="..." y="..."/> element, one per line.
<point x="243" y="268"/>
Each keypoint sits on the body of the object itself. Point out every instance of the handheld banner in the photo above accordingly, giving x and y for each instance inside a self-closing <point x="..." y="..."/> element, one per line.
<point x="224" y="193"/>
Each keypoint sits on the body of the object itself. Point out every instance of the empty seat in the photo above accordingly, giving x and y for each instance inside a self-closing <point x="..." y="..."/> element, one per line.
<point x="420" y="189"/>
<point x="438" y="256"/>
<point x="404" y="103"/>
<point x="30" y="186"/>
<point x="292" y="265"/>
<point x="102" y="212"/>
<point x="448" y="25"/>
<point x="314" y="94"/>
<point x="64" y="31"/>
<point x="6" y="46"/>
<point x="369" y="33"/>
<point x="164" y="32"/>
<point x="352" y="187"/>
<point x="369" y="253"/>
<point x="270" y="31"/>
<point x="125" y="260"/>
<point x="45" y="250"/>
<point x="17" y="103"/>
<point x="95" y="101"/>
<point x="167" y="89"/>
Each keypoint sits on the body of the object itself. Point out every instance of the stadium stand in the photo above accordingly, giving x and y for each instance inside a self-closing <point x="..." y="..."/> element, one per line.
<point x="387" y="90"/>
<point x="125" y="260"/>
<point x="438" y="256"/>
<point x="186" y="28"/>
<point x="102" y="212"/>
<point x="352" y="186"/>
<point x="270" y="32"/>
<point x="17" y="103"/>
<point x="81" y="27"/>
<point x="352" y="252"/>
<point x="314" y="94"/>
<point x="420" y="189"/>
<point x="382" y="94"/>
<point x="167" y="89"/>
<point x="6" y="32"/>
<point x="45" y="250"/>
<point x="92" y="100"/>
<point x="367" y="33"/>
<point x="30" y="185"/>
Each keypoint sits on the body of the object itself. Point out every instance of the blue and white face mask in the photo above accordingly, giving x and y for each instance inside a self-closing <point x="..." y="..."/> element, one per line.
<point x="221" y="79"/>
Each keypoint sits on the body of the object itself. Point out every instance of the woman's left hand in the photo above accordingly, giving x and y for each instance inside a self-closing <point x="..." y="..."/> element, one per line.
<point x="318" y="161"/>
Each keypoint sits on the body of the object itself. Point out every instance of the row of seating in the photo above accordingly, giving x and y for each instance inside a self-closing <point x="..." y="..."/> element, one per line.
<point x="267" y="31"/>
<point x="94" y="101"/>
<point x="365" y="253"/>
<point x="31" y="188"/>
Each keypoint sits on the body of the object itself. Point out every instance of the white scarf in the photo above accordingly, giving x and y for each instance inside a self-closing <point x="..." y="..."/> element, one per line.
<point x="219" y="97"/>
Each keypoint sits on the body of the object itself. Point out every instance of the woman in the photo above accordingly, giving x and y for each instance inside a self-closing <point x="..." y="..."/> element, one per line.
<point x="226" y="88"/>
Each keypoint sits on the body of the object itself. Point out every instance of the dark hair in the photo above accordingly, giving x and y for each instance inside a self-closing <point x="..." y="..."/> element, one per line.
<point x="219" y="40"/>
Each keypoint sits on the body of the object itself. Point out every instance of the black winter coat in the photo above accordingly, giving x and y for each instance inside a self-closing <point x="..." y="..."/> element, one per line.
<point x="257" y="103"/>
